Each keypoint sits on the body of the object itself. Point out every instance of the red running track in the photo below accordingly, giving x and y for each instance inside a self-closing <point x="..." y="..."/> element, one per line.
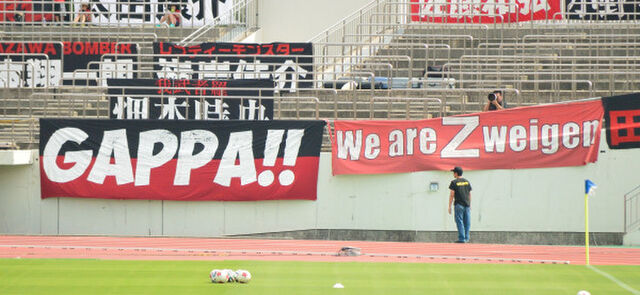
<point x="142" y="248"/>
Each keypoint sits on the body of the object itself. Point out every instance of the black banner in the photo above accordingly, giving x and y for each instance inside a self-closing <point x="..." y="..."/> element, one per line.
<point x="78" y="55"/>
<point x="167" y="99"/>
<point x="180" y="160"/>
<point x="280" y="62"/>
<point x="622" y="121"/>
<point x="30" y="64"/>
<point x="602" y="10"/>
<point x="125" y="13"/>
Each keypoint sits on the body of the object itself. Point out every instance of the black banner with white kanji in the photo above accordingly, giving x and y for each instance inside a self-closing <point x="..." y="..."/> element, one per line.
<point x="30" y="64"/>
<point x="169" y="99"/>
<point x="125" y="13"/>
<point x="90" y="63"/>
<point x="602" y="10"/>
<point x="286" y="64"/>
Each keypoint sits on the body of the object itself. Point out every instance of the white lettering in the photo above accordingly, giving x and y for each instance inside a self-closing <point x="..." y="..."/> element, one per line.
<point x="82" y="159"/>
<point x="517" y="138"/>
<point x="147" y="160"/>
<point x="451" y="149"/>
<point x="113" y="142"/>
<point x="349" y="145"/>
<point x="396" y="144"/>
<point x="412" y="133"/>
<point x="372" y="146"/>
<point x="187" y="161"/>
<point x="427" y="141"/>
<point x="571" y="135"/>
<point x="239" y="148"/>
<point x="549" y="137"/>
<point x="494" y="140"/>
<point x="589" y="132"/>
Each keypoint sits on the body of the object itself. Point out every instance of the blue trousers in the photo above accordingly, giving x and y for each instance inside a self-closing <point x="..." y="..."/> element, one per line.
<point x="463" y="221"/>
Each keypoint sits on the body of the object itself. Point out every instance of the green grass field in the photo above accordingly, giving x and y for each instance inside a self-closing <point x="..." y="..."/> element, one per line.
<point x="69" y="276"/>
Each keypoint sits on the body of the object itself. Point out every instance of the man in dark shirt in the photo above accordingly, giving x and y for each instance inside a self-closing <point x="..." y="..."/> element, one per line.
<point x="461" y="196"/>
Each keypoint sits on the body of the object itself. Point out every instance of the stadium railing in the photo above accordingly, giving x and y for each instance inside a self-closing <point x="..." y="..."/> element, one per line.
<point x="39" y="13"/>
<point x="123" y="18"/>
<point x="632" y="210"/>
<point x="243" y="12"/>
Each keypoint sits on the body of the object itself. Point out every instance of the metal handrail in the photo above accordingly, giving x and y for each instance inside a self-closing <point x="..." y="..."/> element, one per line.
<point x="407" y="99"/>
<point x="48" y="62"/>
<point x="237" y="6"/>
<point x="153" y="15"/>
<point x="632" y="210"/>
<point x="85" y="98"/>
<point x="5" y="70"/>
<point x="85" y="35"/>
<point x="374" y="4"/>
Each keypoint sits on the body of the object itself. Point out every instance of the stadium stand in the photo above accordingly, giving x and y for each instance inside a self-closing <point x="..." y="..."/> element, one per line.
<point x="392" y="60"/>
<point x="377" y="52"/>
<point x="376" y="63"/>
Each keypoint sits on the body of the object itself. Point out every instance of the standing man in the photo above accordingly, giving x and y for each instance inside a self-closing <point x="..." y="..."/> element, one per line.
<point x="461" y="196"/>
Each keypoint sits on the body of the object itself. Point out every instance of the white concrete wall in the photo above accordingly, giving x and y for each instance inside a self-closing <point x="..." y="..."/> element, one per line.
<point x="300" y="20"/>
<point x="503" y="200"/>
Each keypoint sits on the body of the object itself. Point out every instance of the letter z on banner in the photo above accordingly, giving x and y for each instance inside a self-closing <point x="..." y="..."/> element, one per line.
<point x="530" y="137"/>
<point x="180" y="160"/>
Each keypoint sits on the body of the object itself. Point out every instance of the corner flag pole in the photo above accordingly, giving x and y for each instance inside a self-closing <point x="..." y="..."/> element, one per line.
<point x="586" y="227"/>
<point x="589" y="187"/>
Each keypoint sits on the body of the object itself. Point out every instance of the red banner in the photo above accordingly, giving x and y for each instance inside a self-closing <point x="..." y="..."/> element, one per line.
<point x="530" y="137"/>
<point x="484" y="11"/>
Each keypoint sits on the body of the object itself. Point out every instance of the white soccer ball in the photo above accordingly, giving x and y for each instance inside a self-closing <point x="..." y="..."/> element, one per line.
<point x="243" y="276"/>
<point x="219" y="276"/>
<point x="583" y="292"/>
<point x="232" y="275"/>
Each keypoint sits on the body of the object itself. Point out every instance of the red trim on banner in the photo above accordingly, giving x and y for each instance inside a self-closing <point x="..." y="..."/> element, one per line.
<point x="531" y="137"/>
<point x="201" y="186"/>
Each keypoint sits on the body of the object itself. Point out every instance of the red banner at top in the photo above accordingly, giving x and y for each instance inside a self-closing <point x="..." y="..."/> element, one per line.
<point x="484" y="11"/>
<point x="530" y="137"/>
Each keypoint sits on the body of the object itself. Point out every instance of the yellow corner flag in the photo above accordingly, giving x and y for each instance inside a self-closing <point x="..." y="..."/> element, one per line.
<point x="589" y="188"/>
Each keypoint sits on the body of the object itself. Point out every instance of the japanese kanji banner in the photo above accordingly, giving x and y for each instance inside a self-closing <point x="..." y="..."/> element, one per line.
<point x="530" y="137"/>
<point x="118" y="12"/>
<point x="38" y="64"/>
<point x="602" y="10"/>
<point x="484" y="11"/>
<point x="622" y="120"/>
<point x="89" y="59"/>
<point x="180" y="160"/>
<point x="285" y="63"/>
<point x="168" y="99"/>
<point x="30" y="64"/>
<point x="192" y="12"/>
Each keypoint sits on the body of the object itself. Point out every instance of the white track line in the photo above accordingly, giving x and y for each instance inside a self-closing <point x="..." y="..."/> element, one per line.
<point x="613" y="279"/>
<point x="292" y="253"/>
